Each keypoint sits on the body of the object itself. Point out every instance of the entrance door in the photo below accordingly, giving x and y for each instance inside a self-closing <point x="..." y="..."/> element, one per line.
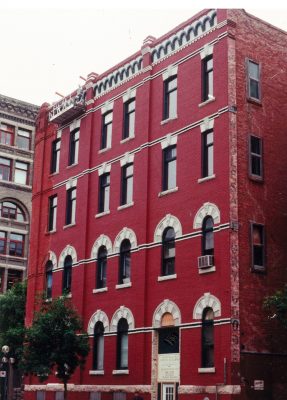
<point x="168" y="391"/>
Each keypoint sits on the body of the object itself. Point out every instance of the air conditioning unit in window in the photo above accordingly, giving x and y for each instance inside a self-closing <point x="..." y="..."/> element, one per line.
<point x="205" y="261"/>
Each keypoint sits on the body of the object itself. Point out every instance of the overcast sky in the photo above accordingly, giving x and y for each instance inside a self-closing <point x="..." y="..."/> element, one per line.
<point x="46" y="50"/>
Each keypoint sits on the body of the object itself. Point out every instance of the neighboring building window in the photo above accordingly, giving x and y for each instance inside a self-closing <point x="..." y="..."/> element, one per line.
<point x="207" y="337"/>
<point x="170" y="98"/>
<point x="3" y="242"/>
<point x="49" y="279"/>
<point x="207" y="154"/>
<point x="122" y="344"/>
<point x="98" y="356"/>
<point x="24" y="139"/>
<point x="7" y="133"/>
<point x="254" y="80"/>
<point x="207" y="78"/>
<point x="102" y="268"/>
<point x="169" y="168"/>
<point x="104" y="193"/>
<point x="127" y="184"/>
<point x="14" y="276"/>
<point x="207" y="236"/>
<point x="55" y="156"/>
<point x="125" y="262"/>
<point x="16" y="245"/>
<point x="168" y="252"/>
<point x="71" y="206"/>
<point x="255" y="157"/>
<point x="258" y="247"/>
<point x="53" y="202"/>
<point x="11" y="211"/>
<point x="67" y="275"/>
<point x="129" y="119"/>
<point x="5" y="169"/>
<point x="21" y="172"/>
<point x="74" y="146"/>
<point x="106" y="140"/>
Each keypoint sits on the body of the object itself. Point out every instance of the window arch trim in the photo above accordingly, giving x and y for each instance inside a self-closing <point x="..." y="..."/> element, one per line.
<point x="169" y="221"/>
<point x="207" y="300"/>
<point x="68" y="251"/>
<point x="167" y="306"/>
<point x="208" y="209"/>
<point x="98" y="316"/>
<point x="122" y="312"/>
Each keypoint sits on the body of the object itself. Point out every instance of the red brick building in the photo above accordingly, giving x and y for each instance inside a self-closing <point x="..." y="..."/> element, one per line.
<point x="159" y="204"/>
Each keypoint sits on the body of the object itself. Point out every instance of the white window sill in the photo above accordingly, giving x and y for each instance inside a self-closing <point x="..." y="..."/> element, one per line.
<point x="68" y="296"/>
<point x="206" y="178"/>
<point x="69" y="226"/>
<point x="206" y="370"/>
<point x="51" y="232"/>
<point x="121" y="372"/>
<point x="100" y="290"/>
<point x="122" y="207"/>
<point x="127" y="139"/>
<point x="72" y="165"/>
<point x="206" y="270"/>
<point x="123" y="285"/>
<point x="97" y="372"/>
<point x="165" y="192"/>
<point x="49" y="300"/>
<point x="52" y="174"/>
<point x="210" y="100"/>
<point x="23" y="185"/>
<point x="165" y="121"/>
<point x="166" y="277"/>
<point x="104" y="150"/>
<point x="102" y="214"/>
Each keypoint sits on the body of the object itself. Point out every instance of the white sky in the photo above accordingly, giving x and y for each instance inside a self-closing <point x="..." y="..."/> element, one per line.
<point x="45" y="50"/>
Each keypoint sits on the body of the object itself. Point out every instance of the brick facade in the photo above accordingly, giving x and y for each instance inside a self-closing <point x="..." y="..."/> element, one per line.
<point x="229" y="287"/>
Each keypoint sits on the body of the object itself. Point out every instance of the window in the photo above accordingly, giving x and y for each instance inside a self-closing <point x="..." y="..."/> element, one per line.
<point x="127" y="184"/>
<point x="53" y="202"/>
<point x="7" y="133"/>
<point x="207" y="338"/>
<point x="74" y="146"/>
<point x="125" y="262"/>
<point x="55" y="156"/>
<point x="106" y="140"/>
<point x="255" y="157"/>
<point x="207" y="154"/>
<point x="168" y="252"/>
<point x="24" y="139"/>
<point x="98" y="354"/>
<point x="21" y="173"/>
<point x="122" y="344"/>
<point x="104" y="193"/>
<point x="49" y="279"/>
<point x="257" y="243"/>
<point x="95" y="396"/>
<point x="14" y="276"/>
<point x="254" y="80"/>
<point x="40" y="395"/>
<point x="5" y="169"/>
<point x="67" y="275"/>
<point x="129" y="119"/>
<point x="59" y="395"/>
<point x="102" y="268"/>
<point x="169" y="168"/>
<point x="16" y="245"/>
<point x="170" y="98"/>
<point x="3" y="240"/>
<point x="71" y="206"/>
<point x="207" y="236"/>
<point x="11" y="211"/>
<point x="207" y="78"/>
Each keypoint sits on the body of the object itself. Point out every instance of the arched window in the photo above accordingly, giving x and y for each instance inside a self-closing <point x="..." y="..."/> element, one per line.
<point x="168" y="252"/>
<point x="12" y="211"/>
<point x="207" y="338"/>
<point x="125" y="262"/>
<point x="49" y="279"/>
<point x="67" y="275"/>
<point x="98" y="355"/>
<point x="102" y="268"/>
<point x="122" y="344"/>
<point x="207" y="236"/>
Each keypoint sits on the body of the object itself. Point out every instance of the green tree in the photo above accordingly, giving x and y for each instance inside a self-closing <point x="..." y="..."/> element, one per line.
<point x="276" y="306"/>
<point x="12" y="316"/>
<point x="55" y="342"/>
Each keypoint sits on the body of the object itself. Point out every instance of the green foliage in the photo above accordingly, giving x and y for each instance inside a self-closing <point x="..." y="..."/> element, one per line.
<point x="12" y="316"/>
<point x="55" y="342"/>
<point x="277" y="306"/>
